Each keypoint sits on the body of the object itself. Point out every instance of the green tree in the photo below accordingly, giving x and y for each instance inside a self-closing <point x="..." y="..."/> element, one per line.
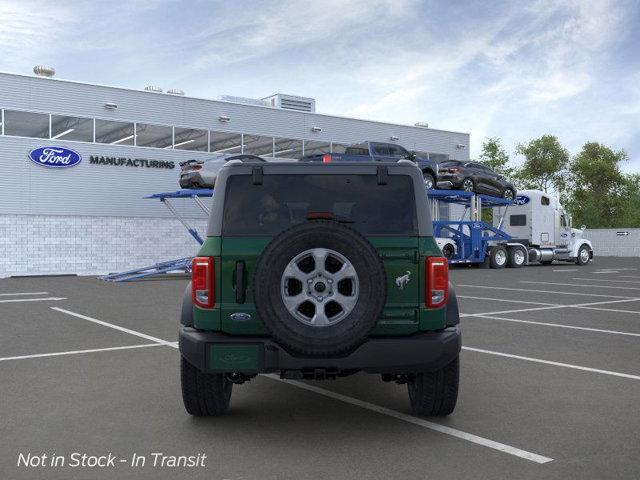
<point x="631" y="202"/>
<point x="495" y="157"/>
<point x="545" y="164"/>
<point x="599" y="191"/>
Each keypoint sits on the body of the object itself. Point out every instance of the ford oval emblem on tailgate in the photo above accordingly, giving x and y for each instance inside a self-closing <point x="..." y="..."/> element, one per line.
<point x="240" y="317"/>
<point x="55" y="157"/>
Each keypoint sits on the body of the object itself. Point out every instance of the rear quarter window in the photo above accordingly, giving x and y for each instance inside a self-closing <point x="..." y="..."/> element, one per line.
<point x="517" y="220"/>
<point x="282" y="201"/>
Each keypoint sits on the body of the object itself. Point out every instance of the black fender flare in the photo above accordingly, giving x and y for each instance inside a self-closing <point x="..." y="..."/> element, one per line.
<point x="186" y="314"/>
<point x="453" y="313"/>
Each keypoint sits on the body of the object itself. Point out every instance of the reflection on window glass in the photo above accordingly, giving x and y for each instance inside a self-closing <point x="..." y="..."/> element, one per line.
<point x="316" y="148"/>
<point x="26" y="124"/>
<point x="115" y="133"/>
<point x="157" y="136"/>
<point x="224" y="142"/>
<point x="190" y="139"/>
<point x="72" y="128"/>
<point x="338" y="147"/>
<point x="257" y="145"/>
<point x="287" y="148"/>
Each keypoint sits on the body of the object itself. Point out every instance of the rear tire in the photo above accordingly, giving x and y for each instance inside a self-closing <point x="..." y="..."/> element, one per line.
<point x="429" y="181"/>
<point x="204" y="394"/>
<point x="435" y="393"/>
<point x="498" y="257"/>
<point x="509" y="194"/>
<point x="468" y="185"/>
<point x="517" y="257"/>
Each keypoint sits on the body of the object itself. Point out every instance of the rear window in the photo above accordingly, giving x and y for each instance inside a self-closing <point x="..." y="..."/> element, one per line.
<point x="285" y="200"/>
<point x="357" y="151"/>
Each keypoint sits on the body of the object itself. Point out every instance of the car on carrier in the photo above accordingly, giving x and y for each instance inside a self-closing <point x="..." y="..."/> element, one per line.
<point x="476" y="177"/>
<point x="203" y="173"/>
<point x="382" y="152"/>
<point x="299" y="276"/>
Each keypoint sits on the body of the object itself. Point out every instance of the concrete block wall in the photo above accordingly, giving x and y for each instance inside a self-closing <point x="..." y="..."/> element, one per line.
<point x="612" y="242"/>
<point x="52" y="245"/>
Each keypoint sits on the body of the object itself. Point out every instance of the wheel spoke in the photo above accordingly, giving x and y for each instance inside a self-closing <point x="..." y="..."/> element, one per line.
<point x="293" y="302"/>
<point x="347" y="302"/>
<point x="319" y="258"/>
<point x="320" y="318"/>
<point x="346" y="271"/>
<point x="293" y="271"/>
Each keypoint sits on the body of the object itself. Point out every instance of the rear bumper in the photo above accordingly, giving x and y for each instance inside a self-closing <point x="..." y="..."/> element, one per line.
<point x="421" y="352"/>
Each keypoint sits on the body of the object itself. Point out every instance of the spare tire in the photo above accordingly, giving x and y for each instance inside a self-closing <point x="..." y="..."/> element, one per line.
<point x="319" y="288"/>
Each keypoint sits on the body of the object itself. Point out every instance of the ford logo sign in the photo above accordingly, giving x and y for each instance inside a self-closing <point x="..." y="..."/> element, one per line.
<point x="521" y="200"/>
<point x="55" y="157"/>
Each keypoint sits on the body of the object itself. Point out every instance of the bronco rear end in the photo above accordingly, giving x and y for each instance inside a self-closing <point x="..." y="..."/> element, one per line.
<point x="317" y="271"/>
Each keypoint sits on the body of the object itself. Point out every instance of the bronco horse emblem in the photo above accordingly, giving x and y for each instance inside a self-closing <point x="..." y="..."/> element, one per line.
<point x="402" y="280"/>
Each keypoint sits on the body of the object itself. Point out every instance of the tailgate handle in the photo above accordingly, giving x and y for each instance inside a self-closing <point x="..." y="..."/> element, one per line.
<point x="240" y="289"/>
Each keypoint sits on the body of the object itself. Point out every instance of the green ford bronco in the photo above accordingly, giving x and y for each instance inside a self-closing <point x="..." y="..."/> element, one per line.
<point x="315" y="272"/>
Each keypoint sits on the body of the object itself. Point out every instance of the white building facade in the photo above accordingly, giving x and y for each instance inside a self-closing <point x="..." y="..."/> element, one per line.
<point x="92" y="217"/>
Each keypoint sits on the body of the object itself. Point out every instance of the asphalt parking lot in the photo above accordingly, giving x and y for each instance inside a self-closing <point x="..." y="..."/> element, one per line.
<point x="550" y="387"/>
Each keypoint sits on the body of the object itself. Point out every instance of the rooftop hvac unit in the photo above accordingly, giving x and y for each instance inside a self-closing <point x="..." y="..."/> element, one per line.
<point x="44" y="71"/>
<point x="153" y="88"/>
<point x="292" y="102"/>
<point x="175" y="91"/>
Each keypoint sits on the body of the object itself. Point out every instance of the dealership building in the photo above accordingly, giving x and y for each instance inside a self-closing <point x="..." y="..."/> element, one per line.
<point x="88" y="214"/>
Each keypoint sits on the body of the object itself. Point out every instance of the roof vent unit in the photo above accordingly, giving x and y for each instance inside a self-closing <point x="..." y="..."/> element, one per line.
<point x="175" y="91"/>
<point x="44" y="71"/>
<point x="292" y="102"/>
<point x="422" y="124"/>
<point x="243" y="100"/>
<point x="153" y="88"/>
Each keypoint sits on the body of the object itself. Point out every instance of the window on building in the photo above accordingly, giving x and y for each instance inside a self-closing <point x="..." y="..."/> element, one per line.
<point x="190" y="139"/>
<point x="316" y="148"/>
<point x="258" y="145"/>
<point x="338" y="147"/>
<point x="72" y="128"/>
<point x="115" y="133"/>
<point x="26" y="124"/>
<point x="158" y="136"/>
<point x="517" y="220"/>
<point x="225" y="142"/>
<point x="287" y="148"/>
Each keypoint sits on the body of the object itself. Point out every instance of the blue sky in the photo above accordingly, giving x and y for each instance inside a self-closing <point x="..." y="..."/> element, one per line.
<point x="515" y="70"/>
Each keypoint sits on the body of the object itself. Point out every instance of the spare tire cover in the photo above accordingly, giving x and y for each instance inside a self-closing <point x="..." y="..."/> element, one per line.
<point x="319" y="287"/>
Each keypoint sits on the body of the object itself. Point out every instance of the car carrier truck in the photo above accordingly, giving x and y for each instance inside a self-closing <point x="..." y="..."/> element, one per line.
<point x="533" y="228"/>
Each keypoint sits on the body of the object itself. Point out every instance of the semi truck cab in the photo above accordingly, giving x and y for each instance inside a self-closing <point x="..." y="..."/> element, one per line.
<point x="538" y="221"/>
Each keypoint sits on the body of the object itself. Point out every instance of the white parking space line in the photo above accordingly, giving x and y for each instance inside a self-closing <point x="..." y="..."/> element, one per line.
<point x="553" y="307"/>
<point x="76" y="352"/>
<point x="115" y="327"/>
<point x="628" y="276"/>
<point x="45" y="299"/>
<point x="485" y="442"/>
<point x="565" y="269"/>
<point x="559" y="325"/>
<point x="518" y="310"/>
<point x="579" y="285"/>
<point x="555" y="364"/>
<point x="605" y="280"/>
<point x="546" y="291"/>
<point x="506" y="300"/>
<point x="23" y="293"/>
<point x="617" y="310"/>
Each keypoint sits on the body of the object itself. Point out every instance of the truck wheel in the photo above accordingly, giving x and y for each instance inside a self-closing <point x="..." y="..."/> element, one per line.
<point x="498" y="257"/>
<point x="319" y="287"/>
<point x="508" y="194"/>
<point x="583" y="255"/>
<point x="429" y="181"/>
<point x="204" y="394"/>
<point x="435" y="393"/>
<point x="517" y="257"/>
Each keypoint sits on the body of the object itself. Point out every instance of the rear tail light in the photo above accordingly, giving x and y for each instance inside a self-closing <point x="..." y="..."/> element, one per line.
<point x="326" y="158"/>
<point x="437" y="281"/>
<point x="203" y="282"/>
